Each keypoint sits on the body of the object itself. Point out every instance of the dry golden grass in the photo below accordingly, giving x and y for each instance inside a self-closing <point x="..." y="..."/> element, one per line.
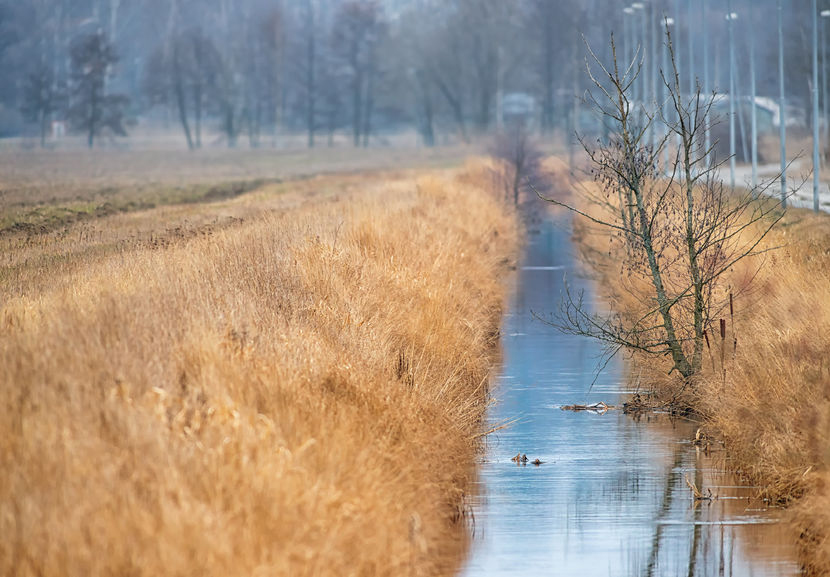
<point x="297" y="394"/>
<point x="43" y="190"/>
<point x="773" y="408"/>
<point x="31" y="260"/>
<point x="770" y="399"/>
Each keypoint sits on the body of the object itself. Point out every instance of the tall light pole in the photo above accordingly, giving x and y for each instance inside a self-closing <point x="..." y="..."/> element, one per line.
<point x="691" y="47"/>
<point x="824" y="14"/>
<point x="730" y="19"/>
<point x="816" y="167"/>
<point x="678" y="62"/>
<point x="782" y="101"/>
<point x="627" y="44"/>
<point x="652" y="17"/>
<point x="640" y="83"/>
<point x="752" y="88"/>
<point x="707" y="135"/>
<point x="676" y="43"/>
<point x="668" y="23"/>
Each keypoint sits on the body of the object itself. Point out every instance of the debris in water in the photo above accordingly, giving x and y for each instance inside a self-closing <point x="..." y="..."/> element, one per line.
<point x="599" y="408"/>
<point x="698" y="495"/>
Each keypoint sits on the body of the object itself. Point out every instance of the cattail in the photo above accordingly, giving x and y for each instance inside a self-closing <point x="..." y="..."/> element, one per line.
<point x="732" y="319"/>
<point x="723" y="328"/>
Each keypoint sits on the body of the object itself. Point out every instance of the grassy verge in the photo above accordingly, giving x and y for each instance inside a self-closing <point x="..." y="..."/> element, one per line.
<point x="767" y="397"/>
<point x="299" y="393"/>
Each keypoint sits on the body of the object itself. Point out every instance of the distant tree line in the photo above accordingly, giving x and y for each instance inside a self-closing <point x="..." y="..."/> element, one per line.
<point x="252" y="71"/>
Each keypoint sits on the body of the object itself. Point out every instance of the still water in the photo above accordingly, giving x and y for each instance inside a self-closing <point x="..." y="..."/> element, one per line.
<point x="611" y="497"/>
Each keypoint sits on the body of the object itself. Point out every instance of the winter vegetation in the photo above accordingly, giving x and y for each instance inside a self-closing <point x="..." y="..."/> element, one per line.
<point x="290" y="381"/>
<point x="250" y="293"/>
<point x="713" y="294"/>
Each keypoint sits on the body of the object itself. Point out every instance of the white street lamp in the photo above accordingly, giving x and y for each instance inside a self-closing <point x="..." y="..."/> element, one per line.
<point x="782" y="125"/>
<point x="752" y="89"/>
<point x="691" y="40"/>
<point x="642" y="90"/>
<point x="824" y="14"/>
<point x="706" y="131"/>
<point x="628" y="38"/>
<point x="816" y="166"/>
<point x="668" y="22"/>
<point x="730" y="18"/>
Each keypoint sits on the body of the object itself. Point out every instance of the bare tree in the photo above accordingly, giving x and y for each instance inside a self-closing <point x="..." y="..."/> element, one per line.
<point x="357" y="30"/>
<point x="182" y="74"/>
<point x="93" y="110"/>
<point x="424" y="92"/>
<point x="272" y="46"/>
<point x="681" y="230"/>
<point x="41" y="98"/>
<point x="311" y="69"/>
<point x="521" y="159"/>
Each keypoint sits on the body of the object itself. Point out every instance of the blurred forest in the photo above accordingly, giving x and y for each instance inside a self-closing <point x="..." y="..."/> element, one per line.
<point x="252" y="72"/>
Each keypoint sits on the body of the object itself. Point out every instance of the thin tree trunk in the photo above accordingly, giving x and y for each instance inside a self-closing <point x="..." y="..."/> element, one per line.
<point x="426" y="98"/>
<point x="675" y="348"/>
<point x="516" y="185"/>
<point x="357" y="105"/>
<point x="93" y="114"/>
<point x="370" y="97"/>
<point x="279" y="66"/>
<point x="197" y="113"/>
<point x="694" y="268"/>
<point x="43" y="119"/>
<point x="311" y="50"/>
<point x="181" y="99"/>
<point x="455" y="106"/>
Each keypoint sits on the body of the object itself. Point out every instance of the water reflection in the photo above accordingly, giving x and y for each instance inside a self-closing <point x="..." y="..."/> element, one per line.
<point x="611" y="497"/>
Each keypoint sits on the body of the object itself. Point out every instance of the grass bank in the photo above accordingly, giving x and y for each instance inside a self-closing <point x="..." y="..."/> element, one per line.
<point x="298" y="393"/>
<point x="764" y="389"/>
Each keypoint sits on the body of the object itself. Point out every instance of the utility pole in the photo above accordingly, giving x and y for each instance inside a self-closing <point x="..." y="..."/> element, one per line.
<point x="816" y="166"/>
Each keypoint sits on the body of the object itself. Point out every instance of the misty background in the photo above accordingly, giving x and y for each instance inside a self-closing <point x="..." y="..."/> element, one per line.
<point x="261" y="73"/>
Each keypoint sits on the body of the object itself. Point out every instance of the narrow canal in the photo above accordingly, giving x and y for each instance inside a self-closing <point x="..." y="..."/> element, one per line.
<point x="611" y="497"/>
